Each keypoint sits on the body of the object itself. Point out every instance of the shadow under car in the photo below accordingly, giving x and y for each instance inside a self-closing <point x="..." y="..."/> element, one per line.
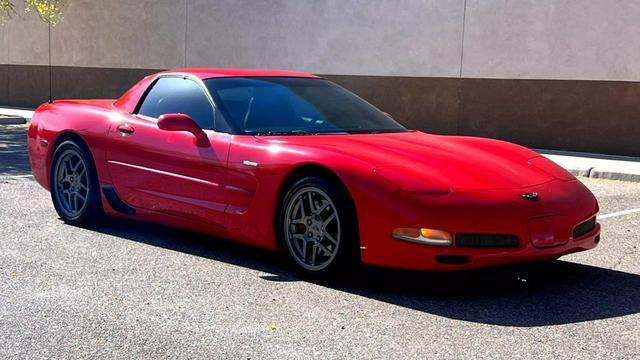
<point x="527" y="295"/>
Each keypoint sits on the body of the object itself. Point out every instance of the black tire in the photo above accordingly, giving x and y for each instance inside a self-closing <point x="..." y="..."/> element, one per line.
<point x="66" y="155"/>
<point x="318" y="236"/>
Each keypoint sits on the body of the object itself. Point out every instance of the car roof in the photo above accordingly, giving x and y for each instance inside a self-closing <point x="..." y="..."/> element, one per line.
<point x="208" y="73"/>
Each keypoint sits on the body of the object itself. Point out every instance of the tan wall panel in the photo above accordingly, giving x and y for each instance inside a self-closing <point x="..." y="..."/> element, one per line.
<point x="559" y="39"/>
<point x="28" y="38"/>
<point x="373" y="37"/>
<point x="4" y="41"/>
<point x="552" y="39"/>
<point x="121" y="33"/>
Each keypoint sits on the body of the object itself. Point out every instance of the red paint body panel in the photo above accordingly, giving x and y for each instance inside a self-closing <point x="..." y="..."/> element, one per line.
<point x="411" y="179"/>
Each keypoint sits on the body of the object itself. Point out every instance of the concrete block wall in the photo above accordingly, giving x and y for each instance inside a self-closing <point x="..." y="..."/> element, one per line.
<point x="560" y="74"/>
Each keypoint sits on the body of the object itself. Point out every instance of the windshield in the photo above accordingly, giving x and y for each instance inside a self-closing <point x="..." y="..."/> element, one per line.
<point x="281" y="106"/>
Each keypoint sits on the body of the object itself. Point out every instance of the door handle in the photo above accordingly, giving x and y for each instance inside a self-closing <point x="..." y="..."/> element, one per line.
<point x="126" y="129"/>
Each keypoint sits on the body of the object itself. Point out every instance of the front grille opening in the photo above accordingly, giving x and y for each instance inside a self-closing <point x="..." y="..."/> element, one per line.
<point x="452" y="259"/>
<point x="584" y="228"/>
<point x="486" y="240"/>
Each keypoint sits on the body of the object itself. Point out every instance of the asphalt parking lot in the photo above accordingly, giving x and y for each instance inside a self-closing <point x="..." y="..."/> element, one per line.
<point x="123" y="289"/>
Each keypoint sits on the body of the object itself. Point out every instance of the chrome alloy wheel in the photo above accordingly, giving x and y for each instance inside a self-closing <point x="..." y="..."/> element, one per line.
<point x="71" y="183"/>
<point x="312" y="228"/>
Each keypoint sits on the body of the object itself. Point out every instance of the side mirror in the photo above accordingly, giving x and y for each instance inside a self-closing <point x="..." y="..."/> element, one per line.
<point x="182" y="122"/>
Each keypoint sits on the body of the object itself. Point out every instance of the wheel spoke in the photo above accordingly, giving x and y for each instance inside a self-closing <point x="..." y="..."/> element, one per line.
<point x="71" y="201"/>
<point x="329" y="237"/>
<point x="67" y="195"/>
<point x="311" y="207"/>
<point x="329" y="219"/>
<point x="68" y="167"/>
<point x="74" y="169"/>
<point x="323" y="248"/>
<point x="305" y="245"/>
<point x="297" y="237"/>
<point x="323" y="206"/>
<point x="297" y="244"/>
<point x="314" y="250"/>
<point x="300" y="205"/>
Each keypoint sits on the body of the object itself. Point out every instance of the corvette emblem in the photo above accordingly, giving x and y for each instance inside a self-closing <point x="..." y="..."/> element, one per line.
<point x="533" y="196"/>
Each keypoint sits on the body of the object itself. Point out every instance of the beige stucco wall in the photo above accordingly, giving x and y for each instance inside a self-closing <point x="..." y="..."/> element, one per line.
<point x="532" y="39"/>
<point x="4" y="44"/>
<point x="368" y="37"/>
<point x="552" y="39"/>
<point x="28" y="38"/>
<point x="121" y="33"/>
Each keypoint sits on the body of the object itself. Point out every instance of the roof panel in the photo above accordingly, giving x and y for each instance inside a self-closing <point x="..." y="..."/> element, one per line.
<point x="207" y="73"/>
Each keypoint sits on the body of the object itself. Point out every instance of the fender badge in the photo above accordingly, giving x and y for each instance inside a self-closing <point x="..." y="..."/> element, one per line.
<point x="533" y="196"/>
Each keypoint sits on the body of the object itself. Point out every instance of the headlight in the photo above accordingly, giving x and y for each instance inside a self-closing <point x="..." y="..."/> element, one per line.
<point x="423" y="236"/>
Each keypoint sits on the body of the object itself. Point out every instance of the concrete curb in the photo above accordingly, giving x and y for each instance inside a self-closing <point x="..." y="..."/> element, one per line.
<point x="15" y="115"/>
<point x="597" y="166"/>
<point x="612" y="175"/>
<point x="12" y="120"/>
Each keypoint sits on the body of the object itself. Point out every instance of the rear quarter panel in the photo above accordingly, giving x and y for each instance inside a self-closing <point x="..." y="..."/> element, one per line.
<point x="88" y="119"/>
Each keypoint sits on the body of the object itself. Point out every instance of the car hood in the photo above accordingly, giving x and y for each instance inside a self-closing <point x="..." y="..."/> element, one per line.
<point x="462" y="163"/>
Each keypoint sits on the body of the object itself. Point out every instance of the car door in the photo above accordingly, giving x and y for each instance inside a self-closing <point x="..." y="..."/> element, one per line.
<point x="166" y="171"/>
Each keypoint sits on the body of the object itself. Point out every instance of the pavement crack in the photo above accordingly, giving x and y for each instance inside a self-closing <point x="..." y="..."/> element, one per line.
<point x="622" y="257"/>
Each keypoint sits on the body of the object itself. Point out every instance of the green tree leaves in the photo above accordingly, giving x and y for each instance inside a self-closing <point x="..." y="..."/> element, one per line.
<point x="50" y="11"/>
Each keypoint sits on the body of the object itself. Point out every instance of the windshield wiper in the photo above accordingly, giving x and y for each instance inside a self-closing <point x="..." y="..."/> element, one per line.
<point x="290" y="132"/>
<point x="376" y="131"/>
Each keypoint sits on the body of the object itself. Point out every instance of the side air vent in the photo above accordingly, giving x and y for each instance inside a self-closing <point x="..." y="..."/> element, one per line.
<point x="115" y="202"/>
<point x="486" y="240"/>
<point x="584" y="228"/>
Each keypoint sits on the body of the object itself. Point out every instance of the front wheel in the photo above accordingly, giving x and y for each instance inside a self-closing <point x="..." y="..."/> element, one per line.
<point x="74" y="184"/>
<point x="317" y="227"/>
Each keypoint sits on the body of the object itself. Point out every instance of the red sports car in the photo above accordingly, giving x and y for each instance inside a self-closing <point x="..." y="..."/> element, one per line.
<point x="290" y="161"/>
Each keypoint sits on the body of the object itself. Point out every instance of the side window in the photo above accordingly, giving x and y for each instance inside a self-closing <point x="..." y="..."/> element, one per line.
<point x="178" y="95"/>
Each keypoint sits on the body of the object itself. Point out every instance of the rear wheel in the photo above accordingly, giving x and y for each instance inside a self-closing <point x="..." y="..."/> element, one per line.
<point x="317" y="227"/>
<point x="74" y="184"/>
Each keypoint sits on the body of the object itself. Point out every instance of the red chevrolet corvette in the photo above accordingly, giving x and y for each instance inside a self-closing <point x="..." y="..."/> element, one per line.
<point x="290" y="161"/>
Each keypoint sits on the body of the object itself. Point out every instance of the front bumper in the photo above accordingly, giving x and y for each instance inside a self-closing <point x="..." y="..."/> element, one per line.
<point x="456" y="258"/>
<point x="565" y="203"/>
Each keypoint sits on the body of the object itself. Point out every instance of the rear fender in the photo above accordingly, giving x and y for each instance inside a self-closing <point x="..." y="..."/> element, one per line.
<point x="68" y="120"/>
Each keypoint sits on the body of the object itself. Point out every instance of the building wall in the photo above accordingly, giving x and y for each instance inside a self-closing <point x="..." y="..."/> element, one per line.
<point x="559" y="74"/>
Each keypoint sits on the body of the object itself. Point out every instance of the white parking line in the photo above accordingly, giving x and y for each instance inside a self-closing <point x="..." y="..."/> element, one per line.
<point x="619" y="213"/>
<point x="16" y="176"/>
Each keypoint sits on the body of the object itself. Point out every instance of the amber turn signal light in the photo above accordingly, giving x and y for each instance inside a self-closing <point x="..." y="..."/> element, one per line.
<point x="423" y="236"/>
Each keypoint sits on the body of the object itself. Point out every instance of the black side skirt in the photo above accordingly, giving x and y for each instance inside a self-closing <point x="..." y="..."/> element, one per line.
<point x="115" y="202"/>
